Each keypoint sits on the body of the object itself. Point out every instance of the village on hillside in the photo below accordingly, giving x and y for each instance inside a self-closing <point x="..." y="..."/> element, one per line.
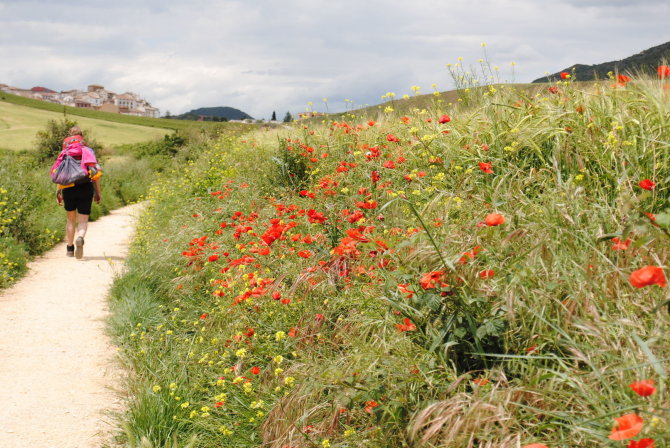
<point x="96" y="97"/>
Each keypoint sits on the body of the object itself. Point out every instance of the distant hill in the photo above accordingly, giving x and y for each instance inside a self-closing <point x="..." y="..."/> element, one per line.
<point x="646" y="61"/>
<point x="214" y="114"/>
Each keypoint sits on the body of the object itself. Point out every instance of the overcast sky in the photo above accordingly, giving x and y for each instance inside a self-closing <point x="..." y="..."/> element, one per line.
<point x="265" y="55"/>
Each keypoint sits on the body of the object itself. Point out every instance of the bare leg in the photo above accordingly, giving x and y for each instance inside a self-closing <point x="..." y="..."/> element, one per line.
<point x="82" y="225"/>
<point x="70" y="227"/>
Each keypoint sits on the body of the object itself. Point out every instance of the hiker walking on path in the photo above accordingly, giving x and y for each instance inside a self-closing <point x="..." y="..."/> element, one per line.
<point x="79" y="195"/>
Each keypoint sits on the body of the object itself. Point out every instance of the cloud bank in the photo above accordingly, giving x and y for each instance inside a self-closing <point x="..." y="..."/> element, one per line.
<point x="279" y="55"/>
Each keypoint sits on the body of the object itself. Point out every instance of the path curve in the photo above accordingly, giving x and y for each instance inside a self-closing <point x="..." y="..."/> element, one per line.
<point x="57" y="365"/>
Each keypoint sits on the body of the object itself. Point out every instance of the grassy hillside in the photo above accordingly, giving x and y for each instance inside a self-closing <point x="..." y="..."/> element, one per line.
<point x="417" y="103"/>
<point x="646" y="62"/>
<point x="106" y="116"/>
<point x="483" y="276"/>
<point x="19" y="125"/>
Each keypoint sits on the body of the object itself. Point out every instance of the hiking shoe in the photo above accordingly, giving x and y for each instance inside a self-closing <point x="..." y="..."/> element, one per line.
<point x="70" y="251"/>
<point x="79" y="247"/>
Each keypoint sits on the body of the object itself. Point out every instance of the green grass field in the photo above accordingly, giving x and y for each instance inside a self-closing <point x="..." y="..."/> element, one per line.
<point x="19" y="125"/>
<point x="117" y="118"/>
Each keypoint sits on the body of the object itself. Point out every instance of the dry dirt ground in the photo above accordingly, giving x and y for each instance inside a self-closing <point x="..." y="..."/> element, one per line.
<point x="57" y="369"/>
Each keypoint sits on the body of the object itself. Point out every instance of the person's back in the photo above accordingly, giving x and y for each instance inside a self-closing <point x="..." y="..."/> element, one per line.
<point x="77" y="197"/>
<point x="74" y="144"/>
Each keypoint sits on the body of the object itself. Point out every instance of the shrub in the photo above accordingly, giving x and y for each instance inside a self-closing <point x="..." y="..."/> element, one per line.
<point x="50" y="141"/>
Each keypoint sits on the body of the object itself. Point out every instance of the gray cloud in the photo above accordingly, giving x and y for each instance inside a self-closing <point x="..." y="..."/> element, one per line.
<point x="278" y="55"/>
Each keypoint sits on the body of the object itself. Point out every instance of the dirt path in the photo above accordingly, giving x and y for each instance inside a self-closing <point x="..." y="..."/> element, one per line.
<point x="56" y="363"/>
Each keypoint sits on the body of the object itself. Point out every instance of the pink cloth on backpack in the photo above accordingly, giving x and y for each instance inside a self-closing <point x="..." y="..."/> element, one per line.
<point x="76" y="149"/>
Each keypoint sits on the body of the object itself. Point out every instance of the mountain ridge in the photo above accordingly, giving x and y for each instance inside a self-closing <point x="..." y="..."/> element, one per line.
<point x="224" y="113"/>
<point x="646" y="61"/>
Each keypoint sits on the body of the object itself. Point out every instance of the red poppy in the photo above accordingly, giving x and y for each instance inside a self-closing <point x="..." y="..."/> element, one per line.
<point x="368" y="205"/>
<point x="623" y="79"/>
<point x="316" y="217"/>
<point x="553" y="89"/>
<point x="651" y="217"/>
<point x="203" y="316"/>
<point x="620" y="245"/>
<point x="213" y="258"/>
<point x="444" y="119"/>
<point x="494" y="219"/>
<point x="626" y="426"/>
<point x="486" y="167"/>
<point x="643" y="388"/>
<point x="535" y="445"/>
<point x="565" y="75"/>
<point x="406" y="326"/>
<point x="648" y="275"/>
<point x="218" y="404"/>
<point x="403" y="288"/>
<point x="481" y="381"/>
<point x="392" y="138"/>
<point x="371" y="123"/>
<point x="663" y="71"/>
<point x="489" y="273"/>
<point x="255" y="370"/>
<point x="429" y="279"/>
<point x="647" y="184"/>
<point x="305" y="253"/>
<point x="642" y="443"/>
<point x="370" y="405"/>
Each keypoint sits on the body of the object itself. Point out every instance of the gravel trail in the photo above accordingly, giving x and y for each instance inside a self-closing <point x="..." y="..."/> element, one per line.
<point x="57" y="369"/>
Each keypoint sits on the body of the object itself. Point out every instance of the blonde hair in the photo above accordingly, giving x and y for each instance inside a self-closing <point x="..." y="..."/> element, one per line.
<point x="75" y="130"/>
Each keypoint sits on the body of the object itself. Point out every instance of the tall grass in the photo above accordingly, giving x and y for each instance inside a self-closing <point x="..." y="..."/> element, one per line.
<point x="344" y="285"/>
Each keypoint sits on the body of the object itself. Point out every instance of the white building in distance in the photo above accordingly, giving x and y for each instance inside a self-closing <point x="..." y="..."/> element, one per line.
<point x="95" y="97"/>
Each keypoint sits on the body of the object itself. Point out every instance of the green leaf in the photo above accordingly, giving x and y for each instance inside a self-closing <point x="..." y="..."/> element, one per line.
<point x="663" y="219"/>
<point x="655" y="363"/>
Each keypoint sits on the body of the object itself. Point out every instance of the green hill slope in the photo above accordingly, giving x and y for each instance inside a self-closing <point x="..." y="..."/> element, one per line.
<point x="228" y="113"/>
<point x="21" y="118"/>
<point x="645" y="62"/>
<point x="19" y="125"/>
<point x="117" y="118"/>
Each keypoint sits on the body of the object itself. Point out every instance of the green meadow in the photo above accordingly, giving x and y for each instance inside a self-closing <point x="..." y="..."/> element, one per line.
<point x="131" y="149"/>
<point x="19" y="124"/>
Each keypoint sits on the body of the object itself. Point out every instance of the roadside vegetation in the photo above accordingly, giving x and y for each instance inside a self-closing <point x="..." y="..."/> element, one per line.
<point x="131" y="156"/>
<point x="484" y="272"/>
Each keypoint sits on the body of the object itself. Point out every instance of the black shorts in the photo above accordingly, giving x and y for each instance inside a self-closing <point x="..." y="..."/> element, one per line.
<point x="79" y="197"/>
